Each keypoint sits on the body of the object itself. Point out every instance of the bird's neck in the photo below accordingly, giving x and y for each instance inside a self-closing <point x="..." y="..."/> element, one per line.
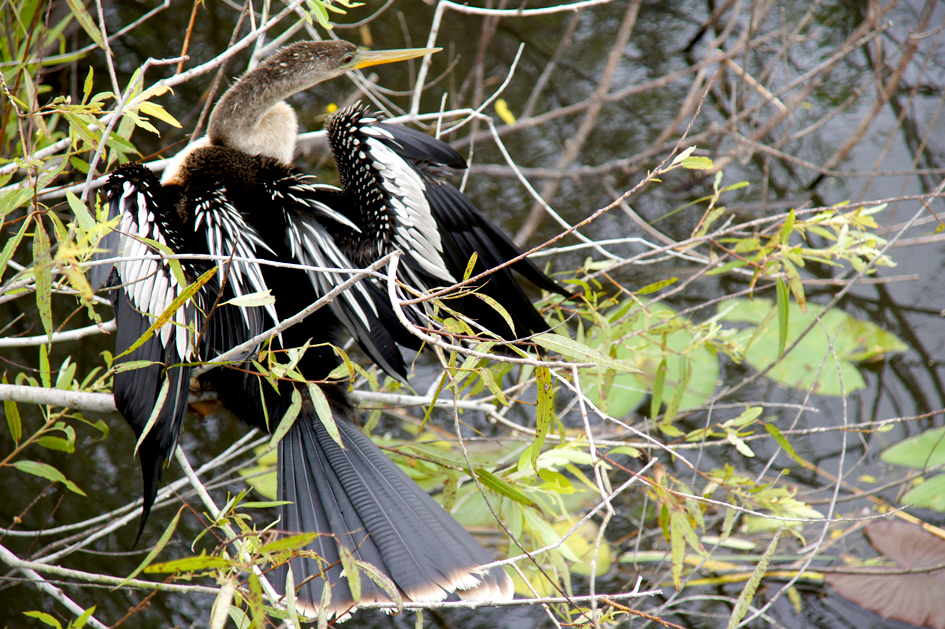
<point x="253" y="117"/>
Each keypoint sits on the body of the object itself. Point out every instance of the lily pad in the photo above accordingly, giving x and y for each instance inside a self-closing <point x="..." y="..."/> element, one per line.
<point x="919" y="452"/>
<point x="854" y="341"/>
<point x="624" y="392"/>
<point x="928" y="495"/>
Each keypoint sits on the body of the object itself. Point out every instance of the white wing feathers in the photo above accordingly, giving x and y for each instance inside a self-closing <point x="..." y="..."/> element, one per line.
<point x="312" y="245"/>
<point x="415" y="232"/>
<point x="149" y="284"/>
<point x="229" y="235"/>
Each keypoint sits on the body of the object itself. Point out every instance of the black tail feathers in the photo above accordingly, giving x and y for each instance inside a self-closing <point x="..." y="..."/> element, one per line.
<point x="358" y="497"/>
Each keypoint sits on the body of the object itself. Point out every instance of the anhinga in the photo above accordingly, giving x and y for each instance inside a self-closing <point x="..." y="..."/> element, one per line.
<point x="234" y="195"/>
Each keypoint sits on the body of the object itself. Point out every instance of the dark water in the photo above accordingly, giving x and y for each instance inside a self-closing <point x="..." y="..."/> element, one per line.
<point x="664" y="40"/>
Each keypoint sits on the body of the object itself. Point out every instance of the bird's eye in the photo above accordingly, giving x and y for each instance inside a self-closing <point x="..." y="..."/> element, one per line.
<point x="348" y="58"/>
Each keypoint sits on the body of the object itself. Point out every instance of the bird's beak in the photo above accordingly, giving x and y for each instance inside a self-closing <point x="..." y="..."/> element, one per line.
<point x="368" y="58"/>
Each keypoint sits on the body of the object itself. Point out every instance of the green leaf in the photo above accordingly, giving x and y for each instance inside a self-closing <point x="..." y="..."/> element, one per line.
<point x="261" y="298"/>
<point x="582" y="353"/>
<point x="255" y="602"/>
<point x="42" y="271"/>
<point x="292" y="542"/>
<point x="56" y="443"/>
<point x="168" y="314"/>
<point x="48" y="472"/>
<point x="659" y="382"/>
<point x="10" y="248"/>
<point x="656" y="286"/>
<point x="498" y="308"/>
<point x="785" y="444"/>
<point x="493" y="482"/>
<point x="697" y="163"/>
<point x="748" y="592"/>
<point x="81" y="621"/>
<point x="382" y="581"/>
<point x="470" y="266"/>
<point x="85" y="20"/>
<point x="154" y="552"/>
<point x="82" y="215"/>
<point x="323" y="410"/>
<point x="545" y="404"/>
<point x="44" y="618"/>
<point x="291" y="413"/>
<point x="155" y="412"/>
<point x="351" y="571"/>
<point x="788" y="227"/>
<point x="784" y="315"/>
<point x="190" y="564"/>
<point x="13" y="419"/>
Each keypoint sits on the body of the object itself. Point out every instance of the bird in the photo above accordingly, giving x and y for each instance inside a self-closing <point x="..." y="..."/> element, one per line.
<point x="236" y="196"/>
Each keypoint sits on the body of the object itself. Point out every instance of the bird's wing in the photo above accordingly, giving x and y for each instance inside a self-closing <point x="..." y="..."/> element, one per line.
<point x="377" y="174"/>
<point x="153" y="392"/>
<point x="464" y="230"/>
<point x="361" y="310"/>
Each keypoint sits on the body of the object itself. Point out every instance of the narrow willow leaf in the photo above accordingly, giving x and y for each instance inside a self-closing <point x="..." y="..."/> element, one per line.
<point x="291" y="413"/>
<point x="48" y="472"/>
<point x="13" y="420"/>
<point x="659" y="383"/>
<point x="783" y="315"/>
<point x="685" y="373"/>
<point x="351" y="572"/>
<point x="10" y="247"/>
<point x="290" y="609"/>
<point x="546" y="400"/>
<point x="153" y="109"/>
<point x="166" y="316"/>
<point x="81" y="212"/>
<point x="42" y="271"/>
<point x="788" y="227"/>
<point x="45" y="374"/>
<point x="44" y="618"/>
<point x="581" y="353"/>
<point x="255" y="602"/>
<point x="499" y="486"/>
<point x="785" y="444"/>
<point x="748" y="593"/>
<point x="82" y="620"/>
<point x="190" y="564"/>
<point x="220" y="611"/>
<point x="470" y="265"/>
<point x="293" y="542"/>
<point x="155" y="412"/>
<point x="323" y="608"/>
<point x="262" y="298"/>
<point x="498" y="308"/>
<point x="656" y="286"/>
<point x="697" y="163"/>
<point x="382" y="581"/>
<point x="323" y="410"/>
<point x="165" y="538"/>
<point x="85" y="20"/>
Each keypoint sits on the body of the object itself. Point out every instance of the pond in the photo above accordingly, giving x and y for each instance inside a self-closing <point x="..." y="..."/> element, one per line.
<point x="811" y="105"/>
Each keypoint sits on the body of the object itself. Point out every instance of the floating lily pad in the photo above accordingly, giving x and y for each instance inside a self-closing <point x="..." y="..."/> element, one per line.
<point x="853" y="340"/>
<point x="919" y="452"/>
